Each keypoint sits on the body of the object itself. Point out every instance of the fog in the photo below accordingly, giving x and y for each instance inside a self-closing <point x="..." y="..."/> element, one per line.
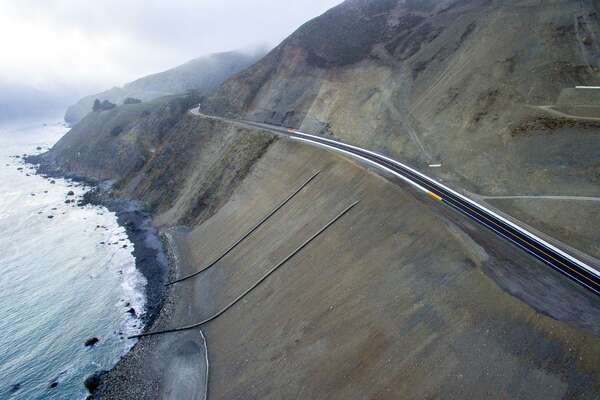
<point x="69" y="48"/>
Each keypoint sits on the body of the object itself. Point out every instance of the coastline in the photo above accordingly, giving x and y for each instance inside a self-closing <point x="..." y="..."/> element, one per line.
<point x="152" y="254"/>
<point x="149" y="254"/>
<point x="164" y="366"/>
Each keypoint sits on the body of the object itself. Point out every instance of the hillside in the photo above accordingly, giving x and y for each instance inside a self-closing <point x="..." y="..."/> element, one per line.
<point x="203" y="74"/>
<point x="404" y="299"/>
<point x="432" y="81"/>
<point x="472" y="85"/>
<point x="461" y="83"/>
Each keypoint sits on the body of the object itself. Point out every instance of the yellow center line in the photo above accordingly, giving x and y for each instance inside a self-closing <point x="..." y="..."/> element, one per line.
<point x="532" y="245"/>
<point x="434" y="196"/>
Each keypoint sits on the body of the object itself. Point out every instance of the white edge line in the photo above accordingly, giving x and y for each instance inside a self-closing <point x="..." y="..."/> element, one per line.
<point x="363" y="159"/>
<point x="521" y="230"/>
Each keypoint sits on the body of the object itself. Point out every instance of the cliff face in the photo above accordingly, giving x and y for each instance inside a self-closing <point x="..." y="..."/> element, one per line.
<point x="433" y="81"/>
<point x="476" y="85"/>
<point x="403" y="299"/>
<point x="202" y="74"/>
<point x="181" y="167"/>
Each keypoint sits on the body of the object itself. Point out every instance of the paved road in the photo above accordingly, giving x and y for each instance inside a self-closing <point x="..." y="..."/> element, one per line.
<point x="577" y="270"/>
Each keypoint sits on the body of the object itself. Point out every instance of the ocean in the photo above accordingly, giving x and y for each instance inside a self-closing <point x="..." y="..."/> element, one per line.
<point x="67" y="275"/>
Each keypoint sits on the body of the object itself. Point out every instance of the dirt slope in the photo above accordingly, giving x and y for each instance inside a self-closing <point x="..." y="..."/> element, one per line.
<point x="396" y="300"/>
<point x="435" y="81"/>
<point x="400" y="299"/>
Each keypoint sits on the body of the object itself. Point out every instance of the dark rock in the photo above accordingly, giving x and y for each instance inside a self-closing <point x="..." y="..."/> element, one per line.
<point x="14" y="388"/>
<point x="71" y="193"/>
<point x="92" y="382"/>
<point x="91" y="341"/>
<point x="67" y="201"/>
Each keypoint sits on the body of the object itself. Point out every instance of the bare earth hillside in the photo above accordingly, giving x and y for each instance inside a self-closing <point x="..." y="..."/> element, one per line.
<point x="401" y="298"/>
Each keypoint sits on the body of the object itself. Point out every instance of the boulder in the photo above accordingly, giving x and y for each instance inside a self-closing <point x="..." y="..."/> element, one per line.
<point x="92" y="382"/>
<point x="91" y="341"/>
<point x="14" y="388"/>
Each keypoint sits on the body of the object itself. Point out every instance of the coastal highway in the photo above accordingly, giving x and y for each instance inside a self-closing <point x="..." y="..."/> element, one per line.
<point x="573" y="268"/>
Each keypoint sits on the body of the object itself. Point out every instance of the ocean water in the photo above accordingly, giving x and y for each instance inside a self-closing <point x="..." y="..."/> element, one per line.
<point x="59" y="285"/>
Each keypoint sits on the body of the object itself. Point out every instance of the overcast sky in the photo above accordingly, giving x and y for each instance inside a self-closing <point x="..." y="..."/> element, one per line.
<point x="51" y="44"/>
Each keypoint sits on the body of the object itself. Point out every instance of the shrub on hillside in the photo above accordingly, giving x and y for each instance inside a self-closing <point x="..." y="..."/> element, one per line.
<point x="102" y="105"/>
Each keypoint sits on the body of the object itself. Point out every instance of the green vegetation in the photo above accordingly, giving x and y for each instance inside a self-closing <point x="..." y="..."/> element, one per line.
<point x="102" y="105"/>
<point x="204" y="74"/>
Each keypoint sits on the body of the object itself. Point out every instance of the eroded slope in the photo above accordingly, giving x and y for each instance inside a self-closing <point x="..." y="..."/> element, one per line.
<point x="396" y="300"/>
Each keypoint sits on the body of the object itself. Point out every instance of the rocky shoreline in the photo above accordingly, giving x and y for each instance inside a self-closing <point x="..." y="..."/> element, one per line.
<point x="149" y="254"/>
<point x="149" y="250"/>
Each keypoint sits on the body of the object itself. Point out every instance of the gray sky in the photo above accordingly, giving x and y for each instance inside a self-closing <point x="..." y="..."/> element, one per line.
<point x="51" y="44"/>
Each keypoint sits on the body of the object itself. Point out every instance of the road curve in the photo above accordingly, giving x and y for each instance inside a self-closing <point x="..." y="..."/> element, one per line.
<point x="577" y="270"/>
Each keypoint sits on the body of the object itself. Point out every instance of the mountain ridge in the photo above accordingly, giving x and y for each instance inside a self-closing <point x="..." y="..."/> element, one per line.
<point x="201" y="74"/>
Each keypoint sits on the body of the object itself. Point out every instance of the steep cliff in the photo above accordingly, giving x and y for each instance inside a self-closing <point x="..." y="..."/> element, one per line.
<point x="438" y="81"/>
<point x="483" y="87"/>
<point x="403" y="299"/>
